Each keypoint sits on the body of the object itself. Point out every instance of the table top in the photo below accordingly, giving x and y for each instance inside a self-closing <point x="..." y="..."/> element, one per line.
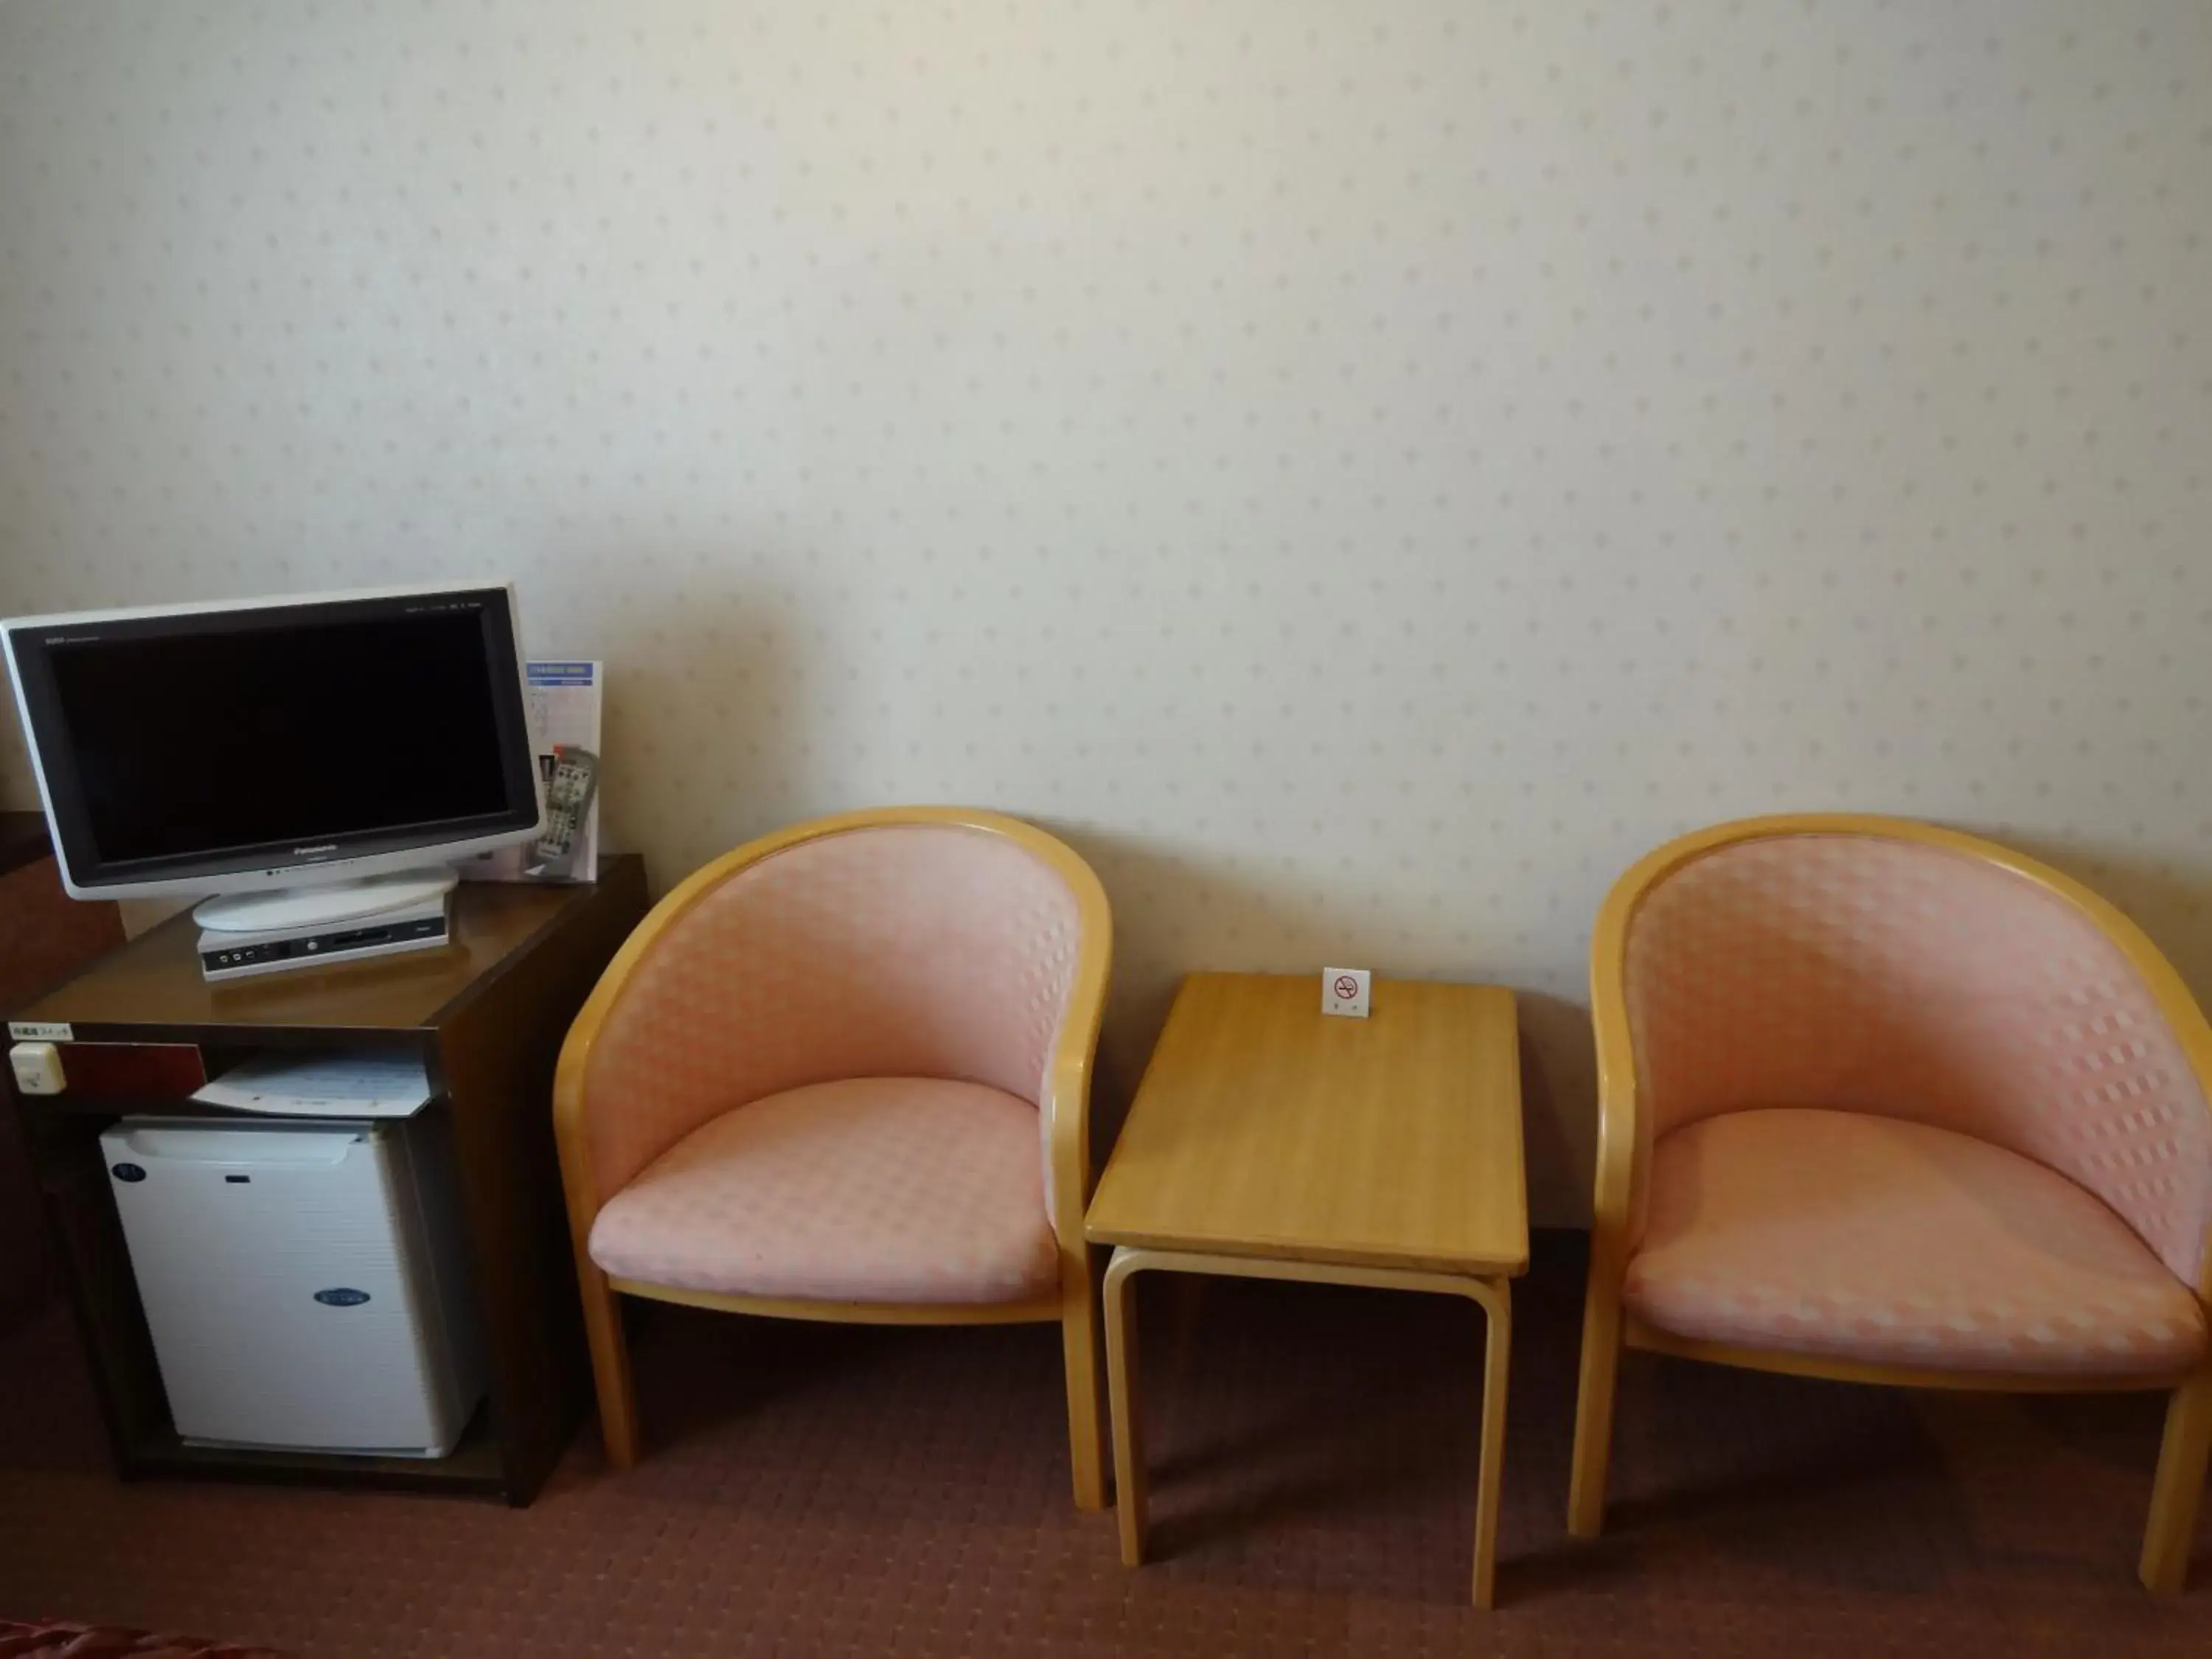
<point x="150" y="990"/>
<point x="1266" y="1127"/>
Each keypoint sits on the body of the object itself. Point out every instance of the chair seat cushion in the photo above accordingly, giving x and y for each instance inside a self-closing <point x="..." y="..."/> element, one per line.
<point x="1894" y="1243"/>
<point x="874" y="1189"/>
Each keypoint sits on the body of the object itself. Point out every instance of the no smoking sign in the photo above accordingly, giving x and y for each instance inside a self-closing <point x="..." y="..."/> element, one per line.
<point x="1345" y="991"/>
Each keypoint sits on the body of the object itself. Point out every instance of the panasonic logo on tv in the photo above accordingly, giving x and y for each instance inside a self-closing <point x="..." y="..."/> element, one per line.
<point x="309" y="852"/>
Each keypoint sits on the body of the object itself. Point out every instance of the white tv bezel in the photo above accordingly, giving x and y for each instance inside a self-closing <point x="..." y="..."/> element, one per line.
<point x="305" y="871"/>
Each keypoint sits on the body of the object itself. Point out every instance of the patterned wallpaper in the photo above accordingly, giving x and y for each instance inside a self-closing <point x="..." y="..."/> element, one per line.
<point x="1363" y="472"/>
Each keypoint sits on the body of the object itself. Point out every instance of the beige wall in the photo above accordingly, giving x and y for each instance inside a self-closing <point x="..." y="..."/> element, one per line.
<point x="1363" y="470"/>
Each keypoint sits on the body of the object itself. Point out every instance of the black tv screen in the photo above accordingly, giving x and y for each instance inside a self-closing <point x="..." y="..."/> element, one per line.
<point x="201" y="741"/>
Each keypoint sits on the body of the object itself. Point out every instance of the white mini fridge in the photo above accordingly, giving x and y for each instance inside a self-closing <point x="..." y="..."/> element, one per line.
<point x="304" y="1281"/>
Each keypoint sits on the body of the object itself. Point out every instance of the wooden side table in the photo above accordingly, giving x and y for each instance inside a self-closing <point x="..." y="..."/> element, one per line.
<point x="487" y="1016"/>
<point x="1269" y="1140"/>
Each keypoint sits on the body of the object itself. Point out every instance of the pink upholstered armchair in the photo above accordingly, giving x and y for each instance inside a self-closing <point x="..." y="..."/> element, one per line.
<point x="1883" y="1102"/>
<point x="843" y="1073"/>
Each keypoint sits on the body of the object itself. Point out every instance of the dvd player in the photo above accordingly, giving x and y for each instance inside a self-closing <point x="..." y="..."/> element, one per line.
<point x="241" y="955"/>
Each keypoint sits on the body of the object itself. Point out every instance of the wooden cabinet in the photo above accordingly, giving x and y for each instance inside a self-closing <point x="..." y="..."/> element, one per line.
<point x="45" y="936"/>
<point x="487" y="1016"/>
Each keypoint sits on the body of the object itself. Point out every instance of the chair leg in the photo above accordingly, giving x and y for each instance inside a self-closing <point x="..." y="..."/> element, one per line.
<point x="2180" y="1484"/>
<point x="1086" y="1399"/>
<point x="1600" y="1369"/>
<point x="602" y="1328"/>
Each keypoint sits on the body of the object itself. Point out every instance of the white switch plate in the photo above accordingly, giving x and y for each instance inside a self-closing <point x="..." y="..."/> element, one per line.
<point x="38" y="1068"/>
<point x="1346" y="991"/>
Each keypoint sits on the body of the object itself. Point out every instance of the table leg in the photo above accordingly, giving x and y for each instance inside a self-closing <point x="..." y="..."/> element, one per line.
<point x="1494" y="1295"/>
<point x="1495" y="1298"/>
<point x="1122" y="1395"/>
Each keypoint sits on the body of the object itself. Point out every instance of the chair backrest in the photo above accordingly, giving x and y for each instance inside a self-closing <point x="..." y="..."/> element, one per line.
<point x="1921" y="975"/>
<point x="919" y="948"/>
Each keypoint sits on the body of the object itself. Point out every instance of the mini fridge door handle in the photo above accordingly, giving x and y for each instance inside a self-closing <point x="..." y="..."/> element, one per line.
<point x="262" y="1149"/>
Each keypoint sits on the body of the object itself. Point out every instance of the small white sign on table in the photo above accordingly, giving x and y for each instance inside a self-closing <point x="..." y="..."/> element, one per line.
<point x="1346" y="991"/>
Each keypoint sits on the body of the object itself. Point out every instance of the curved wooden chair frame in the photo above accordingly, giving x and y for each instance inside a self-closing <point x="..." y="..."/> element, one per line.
<point x="1066" y="1106"/>
<point x="1621" y="1176"/>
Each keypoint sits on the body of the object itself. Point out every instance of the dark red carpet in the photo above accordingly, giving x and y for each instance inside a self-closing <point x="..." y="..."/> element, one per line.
<point x="824" y="1489"/>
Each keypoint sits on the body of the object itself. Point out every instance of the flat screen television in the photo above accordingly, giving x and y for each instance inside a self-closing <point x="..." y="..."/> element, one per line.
<point x="299" y="744"/>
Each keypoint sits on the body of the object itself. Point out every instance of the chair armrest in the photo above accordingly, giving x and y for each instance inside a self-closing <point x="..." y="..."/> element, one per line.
<point x="1617" y="1200"/>
<point x="1066" y="1099"/>
<point x="579" y="1173"/>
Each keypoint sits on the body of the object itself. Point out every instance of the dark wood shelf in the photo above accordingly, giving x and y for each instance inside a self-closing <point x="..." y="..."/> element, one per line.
<point x="475" y="1467"/>
<point x="487" y="1015"/>
<point x="22" y="840"/>
<point x="108" y="1108"/>
<point x="151" y="990"/>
